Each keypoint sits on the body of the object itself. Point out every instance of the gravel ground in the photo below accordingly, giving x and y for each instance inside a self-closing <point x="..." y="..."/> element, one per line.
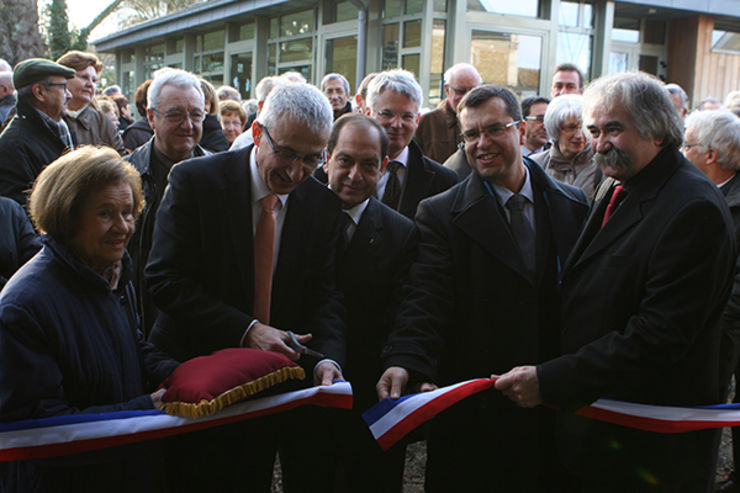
<point x="413" y="480"/>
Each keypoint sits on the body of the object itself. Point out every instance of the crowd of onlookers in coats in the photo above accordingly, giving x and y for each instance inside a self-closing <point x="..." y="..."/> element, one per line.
<point x="128" y="263"/>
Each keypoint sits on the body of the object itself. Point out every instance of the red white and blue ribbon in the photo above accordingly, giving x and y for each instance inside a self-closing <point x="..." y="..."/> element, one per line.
<point x="72" y="434"/>
<point x="390" y="420"/>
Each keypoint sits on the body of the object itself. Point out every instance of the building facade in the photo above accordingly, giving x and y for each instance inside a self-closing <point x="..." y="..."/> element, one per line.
<point x="515" y="43"/>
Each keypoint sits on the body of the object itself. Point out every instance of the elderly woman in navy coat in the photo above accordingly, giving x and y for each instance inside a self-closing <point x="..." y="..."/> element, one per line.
<point x="69" y="341"/>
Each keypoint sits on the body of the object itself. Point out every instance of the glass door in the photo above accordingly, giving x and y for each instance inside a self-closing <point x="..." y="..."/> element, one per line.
<point x="241" y="73"/>
<point x="508" y="59"/>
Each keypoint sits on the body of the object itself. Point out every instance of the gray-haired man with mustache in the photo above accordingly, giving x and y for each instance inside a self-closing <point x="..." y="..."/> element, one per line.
<point x="643" y="290"/>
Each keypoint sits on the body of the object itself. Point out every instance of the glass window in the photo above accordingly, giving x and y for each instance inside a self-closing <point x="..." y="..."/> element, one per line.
<point x="390" y="47"/>
<point x="215" y="80"/>
<point x="526" y="8"/>
<point x="214" y="41"/>
<point x="273" y="28"/>
<point x="153" y="58"/>
<point x="568" y="14"/>
<point x="297" y="23"/>
<point x="213" y="62"/>
<point x="618" y="62"/>
<point x="272" y="58"/>
<point x="508" y="59"/>
<point x="341" y="57"/>
<point x="414" y="6"/>
<point x="241" y="73"/>
<point x="412" y="63"/>
<point x="392" y="8"/>
<point x="127" y="56"/>
<point x="726" y="42"/>
<point x="440" y="6"/>
<point x="575" y="48"/>
<point x="338" y="11"/>
<point x="588" y="16"/>
<point x="246" y="31"/>
<point x="412" y="34"/>
<point x="175" y="46"/>
<point x="298" y="50"/>
<point x="625" y="35"/>
<point x="438" y="62"/>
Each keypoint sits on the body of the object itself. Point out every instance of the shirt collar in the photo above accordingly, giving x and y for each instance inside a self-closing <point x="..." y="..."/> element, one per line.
<point x="355" y="213"/>
<point x="504" y="194"/>
<point x="258" y="187"/>
<point x="402" y="158"/>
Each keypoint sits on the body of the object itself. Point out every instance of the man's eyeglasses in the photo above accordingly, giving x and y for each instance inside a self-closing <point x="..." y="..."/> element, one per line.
<point x="177" y="116"/>
<point x="459" y="91"/>
<point x="689" y="146"/>
<point x="538" y="118"/>
<point x="313" y="161"/>
<point x="493" y="131"/>
<point x="388" y="115"/>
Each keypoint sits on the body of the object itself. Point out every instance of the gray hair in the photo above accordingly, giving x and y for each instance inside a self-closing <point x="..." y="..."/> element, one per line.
<point x="561" y="109"/>
<point x="676" y="89"/>
<point x="706" y="101"/>
<point x="335" y="76"/>
<point x="171" y="77"/>
<point x="644" y="98"/>
<point x="228" y="92"/>
<point x="399" y="81"/>
<point x="294" y="76"/>
<point x="452" y="71"/>
<point x="302" y="103"/>
<point x="265" y="85"/>
<point x="732" y="100"/>
<point x="720" y="130"/>
<point x="112" y="90"/>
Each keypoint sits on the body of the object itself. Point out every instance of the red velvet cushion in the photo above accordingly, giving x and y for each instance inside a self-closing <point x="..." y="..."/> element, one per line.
<point x="206" y="384"/>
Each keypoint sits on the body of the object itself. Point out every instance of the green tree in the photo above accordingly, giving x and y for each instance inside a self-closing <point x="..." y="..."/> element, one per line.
<point x="20" y="37"/>
<point x="60" y="38"/>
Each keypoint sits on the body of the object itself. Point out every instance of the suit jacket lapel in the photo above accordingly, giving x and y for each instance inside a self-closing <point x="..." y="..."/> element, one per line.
<point x="642" y="188"/>
<point x="238" y="199"/>
<point x="367" y="238"/>
<point x="478" y="214"/>
<point x="416" y="183"/>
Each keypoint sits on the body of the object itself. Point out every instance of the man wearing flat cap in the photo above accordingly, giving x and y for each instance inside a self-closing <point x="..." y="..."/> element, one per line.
<point x="37" y="135"/>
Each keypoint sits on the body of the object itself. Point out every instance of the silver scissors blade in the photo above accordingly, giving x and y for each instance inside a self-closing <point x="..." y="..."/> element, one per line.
<point x="300" y="348"/>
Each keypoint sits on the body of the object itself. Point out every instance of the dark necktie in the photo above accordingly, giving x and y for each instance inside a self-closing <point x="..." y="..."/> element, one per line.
<point x="264" y="249"/>
<point x="522" y="231"/>
<point x="617" y="196"/>
<point x="344" y="223"/>
<point x="393" y="186"/>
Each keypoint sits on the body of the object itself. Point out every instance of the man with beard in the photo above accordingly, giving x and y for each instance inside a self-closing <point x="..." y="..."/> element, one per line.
<point x="643" y="291"/>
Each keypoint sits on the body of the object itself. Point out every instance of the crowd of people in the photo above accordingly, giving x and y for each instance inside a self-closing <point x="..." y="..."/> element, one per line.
<point x="573" y="247"/>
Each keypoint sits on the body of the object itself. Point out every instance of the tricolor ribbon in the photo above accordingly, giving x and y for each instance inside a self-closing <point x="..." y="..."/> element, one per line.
<point x="72" y="434"/>
<point x="391" y="420"/>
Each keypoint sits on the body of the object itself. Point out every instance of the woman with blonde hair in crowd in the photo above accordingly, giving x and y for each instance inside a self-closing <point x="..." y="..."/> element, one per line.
<point x="84" y="120"/>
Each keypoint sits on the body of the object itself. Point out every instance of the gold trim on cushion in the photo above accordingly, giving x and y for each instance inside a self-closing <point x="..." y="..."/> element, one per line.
<point x="232" y="396"/>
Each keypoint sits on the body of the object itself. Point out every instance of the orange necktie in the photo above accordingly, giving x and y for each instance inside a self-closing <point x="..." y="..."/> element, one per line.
<point x="264" y="246"/>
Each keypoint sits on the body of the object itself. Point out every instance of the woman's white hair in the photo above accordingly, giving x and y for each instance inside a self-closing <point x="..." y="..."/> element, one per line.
<point x="561" y="109"/>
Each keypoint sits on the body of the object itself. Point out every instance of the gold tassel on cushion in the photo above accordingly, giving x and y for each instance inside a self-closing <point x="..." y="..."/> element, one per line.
<point x="232" y="396"/>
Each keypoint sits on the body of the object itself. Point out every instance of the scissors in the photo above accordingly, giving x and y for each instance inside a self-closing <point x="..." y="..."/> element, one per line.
<point x="300" y="348"/>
